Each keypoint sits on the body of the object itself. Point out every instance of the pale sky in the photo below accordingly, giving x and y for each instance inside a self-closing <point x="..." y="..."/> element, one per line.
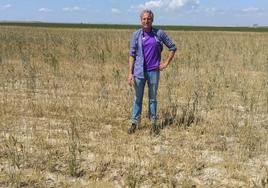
<point x="167" y="12"/>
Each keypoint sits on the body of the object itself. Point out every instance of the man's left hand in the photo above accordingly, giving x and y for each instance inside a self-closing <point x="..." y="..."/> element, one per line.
<point x="163" y="66"/>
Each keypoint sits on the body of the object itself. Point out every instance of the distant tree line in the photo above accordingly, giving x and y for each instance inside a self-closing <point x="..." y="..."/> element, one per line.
<point x="121" y="26"/>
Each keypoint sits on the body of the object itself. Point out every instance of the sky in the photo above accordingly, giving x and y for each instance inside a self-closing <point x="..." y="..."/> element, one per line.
<point x="167" y="12"/>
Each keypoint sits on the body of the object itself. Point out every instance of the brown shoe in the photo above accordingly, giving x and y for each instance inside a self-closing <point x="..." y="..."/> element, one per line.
<point x="154" y="128"/>
<point x="132" y="128"/>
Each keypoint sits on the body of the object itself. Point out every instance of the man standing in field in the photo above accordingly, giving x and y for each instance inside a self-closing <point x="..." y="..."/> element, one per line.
<point x="144" y="66"/>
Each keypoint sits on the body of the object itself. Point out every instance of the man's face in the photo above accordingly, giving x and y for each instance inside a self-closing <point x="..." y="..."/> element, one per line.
<point x="146" y="21"/>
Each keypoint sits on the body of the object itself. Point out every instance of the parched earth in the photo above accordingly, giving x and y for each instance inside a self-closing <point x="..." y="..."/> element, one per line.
<point x="79" y="152"/>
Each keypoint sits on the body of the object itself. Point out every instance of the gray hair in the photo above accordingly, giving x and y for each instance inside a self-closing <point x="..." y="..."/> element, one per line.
<point x="149" y="12"/>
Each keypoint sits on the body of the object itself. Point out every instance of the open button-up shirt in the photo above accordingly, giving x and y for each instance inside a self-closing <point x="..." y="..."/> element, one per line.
<point x="136" y="48"/>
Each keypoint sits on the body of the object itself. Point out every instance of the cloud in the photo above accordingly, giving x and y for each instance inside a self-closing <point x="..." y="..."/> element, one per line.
<point x="71" y="9"/>
<point x="116" y="11"/>
<point x="168" y="4"/>
<point x="250" y="9"/>
<point x="213" y="9"/>
<point x="3" y="7"/>
<point x="44" y="10"/>
<point x="152" y="4"/>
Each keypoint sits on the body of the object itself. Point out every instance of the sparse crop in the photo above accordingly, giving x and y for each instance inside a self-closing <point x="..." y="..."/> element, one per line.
<point x="212" y="103"/>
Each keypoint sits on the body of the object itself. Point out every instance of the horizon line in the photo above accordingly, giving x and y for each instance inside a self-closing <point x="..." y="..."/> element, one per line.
<point x="122" y="24"/>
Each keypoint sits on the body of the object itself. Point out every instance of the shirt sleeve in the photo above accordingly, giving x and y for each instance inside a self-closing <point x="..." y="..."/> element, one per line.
<point x="168" y="42"/>
<point x="133" y="45"/>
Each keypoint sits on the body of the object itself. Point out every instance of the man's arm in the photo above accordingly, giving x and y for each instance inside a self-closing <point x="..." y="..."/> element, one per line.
<point x="168" y="60"/>
<point x="130" y="78"/>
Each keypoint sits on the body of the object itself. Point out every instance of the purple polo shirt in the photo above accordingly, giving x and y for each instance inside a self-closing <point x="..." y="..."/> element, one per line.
<point x="151" y="51"/>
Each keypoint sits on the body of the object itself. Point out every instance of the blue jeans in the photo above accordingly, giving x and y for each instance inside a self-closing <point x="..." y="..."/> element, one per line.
<point x="152" y="79"/>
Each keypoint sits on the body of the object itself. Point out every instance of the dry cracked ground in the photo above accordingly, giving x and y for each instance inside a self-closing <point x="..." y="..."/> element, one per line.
<point x="78" y="152"/>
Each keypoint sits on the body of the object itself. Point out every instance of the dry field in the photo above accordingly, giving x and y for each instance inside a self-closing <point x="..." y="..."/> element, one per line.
<point x="65" y="107"/>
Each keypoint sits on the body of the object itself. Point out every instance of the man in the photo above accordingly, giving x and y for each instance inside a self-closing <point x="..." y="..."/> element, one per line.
<point x="144" y="66"/>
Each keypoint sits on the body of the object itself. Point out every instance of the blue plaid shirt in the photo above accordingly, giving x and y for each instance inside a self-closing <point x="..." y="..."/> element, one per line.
<point x="136" y="49"/>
